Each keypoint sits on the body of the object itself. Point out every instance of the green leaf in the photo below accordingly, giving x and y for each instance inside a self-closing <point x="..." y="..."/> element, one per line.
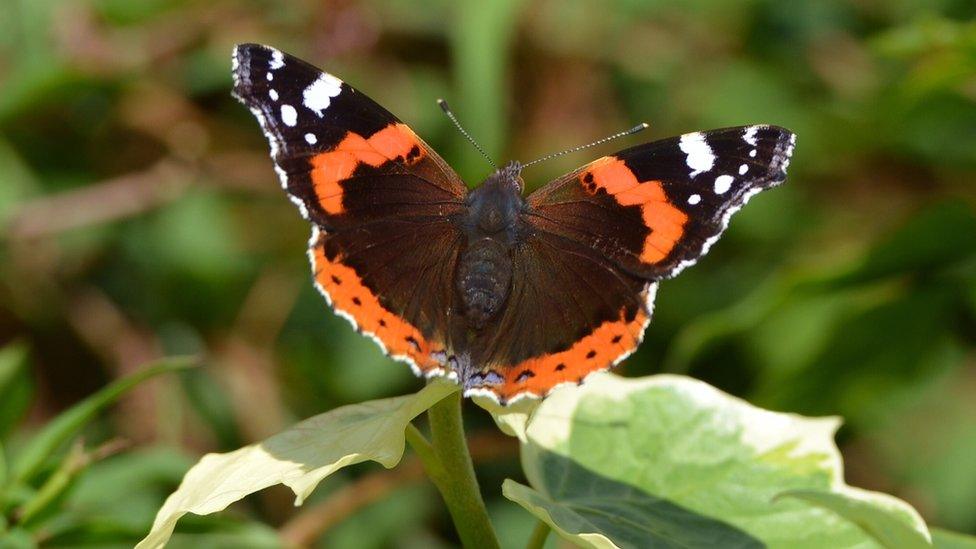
<point x="17" y="538"/>
<point x="68" y="423"/>
<point x="512" y="419"/>
<point x="618" y="462"/>
<point x="15" y="386"/>
<point x="123" y="492"/>
<point x="614" y="514"/>
<point x="57" y="485"/>
<point x="299" y="457"/>
<point x="18" y="181"/>
<point x="882" y="516"/>
<point x="939" y="236"/>
<point x="481" y="39"/>
<point x="944" y="539"/>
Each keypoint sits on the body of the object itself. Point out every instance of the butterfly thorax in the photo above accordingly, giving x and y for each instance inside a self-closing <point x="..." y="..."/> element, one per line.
<point x="491" y="230"/>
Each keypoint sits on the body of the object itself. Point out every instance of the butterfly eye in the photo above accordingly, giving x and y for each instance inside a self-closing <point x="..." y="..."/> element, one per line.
<point x="518" y="183"/>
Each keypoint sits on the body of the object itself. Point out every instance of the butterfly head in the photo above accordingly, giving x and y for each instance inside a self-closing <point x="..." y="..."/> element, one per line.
<point x="510" y="176"/>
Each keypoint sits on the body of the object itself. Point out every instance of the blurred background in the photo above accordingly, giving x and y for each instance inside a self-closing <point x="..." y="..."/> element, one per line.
<point x="140" y="218"/>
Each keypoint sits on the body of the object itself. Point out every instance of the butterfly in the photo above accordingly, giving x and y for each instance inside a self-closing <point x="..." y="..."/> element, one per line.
<point x="508" y="295"/>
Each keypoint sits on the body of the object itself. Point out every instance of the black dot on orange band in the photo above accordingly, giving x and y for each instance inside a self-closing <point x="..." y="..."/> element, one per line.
<point x="616" y="338"/>
<point x="524" y="376"/>
<point x="357" y="301"/>
<point x="336" y="279"/>
<point x="560" y="367"/>
<point x="591" y="354"/>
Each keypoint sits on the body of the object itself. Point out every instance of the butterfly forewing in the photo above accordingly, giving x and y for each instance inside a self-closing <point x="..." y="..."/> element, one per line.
<point x="345" y="159"/>
<point x="655" y="209"/>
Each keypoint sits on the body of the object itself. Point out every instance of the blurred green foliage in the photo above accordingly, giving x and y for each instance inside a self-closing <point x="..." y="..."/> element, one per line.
<point x="140" y="217"/>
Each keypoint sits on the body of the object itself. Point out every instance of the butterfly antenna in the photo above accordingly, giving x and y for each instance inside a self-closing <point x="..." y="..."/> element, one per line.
<point x="450" y="114"/>
<point x="638" y="128"/>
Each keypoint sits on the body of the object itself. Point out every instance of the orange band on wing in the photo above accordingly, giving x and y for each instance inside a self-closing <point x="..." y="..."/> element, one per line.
<point x="665" y="221"/>
<point x="330" y="168"/>
<point x="597" y="351"/>
<point x="349" y="296"/>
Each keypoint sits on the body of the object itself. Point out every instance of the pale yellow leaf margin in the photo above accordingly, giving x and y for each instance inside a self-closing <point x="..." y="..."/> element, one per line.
<point x="299" y="457"/>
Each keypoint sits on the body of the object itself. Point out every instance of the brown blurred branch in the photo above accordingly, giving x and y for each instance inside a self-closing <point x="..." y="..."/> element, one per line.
<point x="125" y="347"/>
<point x="109" y="332"/>
<point x="244" y="358"/>
<point x="311" y="523"/>
<point x="117" y="198"/>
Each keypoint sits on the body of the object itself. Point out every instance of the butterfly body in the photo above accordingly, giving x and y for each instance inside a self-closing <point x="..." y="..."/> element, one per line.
<point x="492" y="228"/>
<point x="510" y="295"/>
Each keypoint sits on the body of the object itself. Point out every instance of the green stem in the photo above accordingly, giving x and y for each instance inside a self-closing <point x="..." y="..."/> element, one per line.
<point x="448" y="464"/>
<point x="425" y="451"/>
<point x="538" y="538"/>
<point x="55" y="485"/>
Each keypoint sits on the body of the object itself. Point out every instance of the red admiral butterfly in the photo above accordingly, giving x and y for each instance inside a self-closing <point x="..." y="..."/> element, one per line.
<point x="509" y="295"/>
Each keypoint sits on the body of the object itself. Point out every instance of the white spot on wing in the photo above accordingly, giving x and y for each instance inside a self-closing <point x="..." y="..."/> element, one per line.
<point x="699" y="155"/>
<point x="694" y="199"/>
<point x="318" y="95"/>
<point x="288" y="115"/>
<point x="743" y="169"/>
<point x="311" y="139"/>
<point x="270" y="77"/>
<point x="277" y="60"/>
<point x="273" y="94"/>
<point x="723" y="183"/>
<point x="275" y="144"/>
<point x="749" y="193"/>
<point x="750" y="135"/>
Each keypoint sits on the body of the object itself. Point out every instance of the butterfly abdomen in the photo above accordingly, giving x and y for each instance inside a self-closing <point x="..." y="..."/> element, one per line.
<point x="483" y="279"/>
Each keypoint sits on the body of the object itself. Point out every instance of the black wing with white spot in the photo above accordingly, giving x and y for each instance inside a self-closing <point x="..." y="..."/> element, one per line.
<point x="343" y="159"/>
<point x="656" y="208"/>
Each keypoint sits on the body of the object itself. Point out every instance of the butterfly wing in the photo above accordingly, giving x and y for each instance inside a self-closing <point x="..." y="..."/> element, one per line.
<point x="656" y="208"/>
<point x="381" y="201"/>
<point x="603" y="235"/>
<point x="569" y="313"/>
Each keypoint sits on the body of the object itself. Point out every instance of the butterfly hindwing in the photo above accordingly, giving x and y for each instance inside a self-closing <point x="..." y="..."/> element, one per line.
<point x="389" y="279"/>
<point x="379" y="198"/>
<point x="570" y="313"/>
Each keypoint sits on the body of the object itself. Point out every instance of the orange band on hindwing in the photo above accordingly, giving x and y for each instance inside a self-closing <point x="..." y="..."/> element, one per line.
<point x="349" y="296"/>
<point x="331" y="168"/>
<point x="608" y="343"/>
<point x="665" y="222"/>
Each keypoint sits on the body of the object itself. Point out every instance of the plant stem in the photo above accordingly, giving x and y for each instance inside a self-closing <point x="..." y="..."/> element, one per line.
<point x="448" y="464"/>
<point x="425" y="451"/>
<point x="538" y="538"/>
